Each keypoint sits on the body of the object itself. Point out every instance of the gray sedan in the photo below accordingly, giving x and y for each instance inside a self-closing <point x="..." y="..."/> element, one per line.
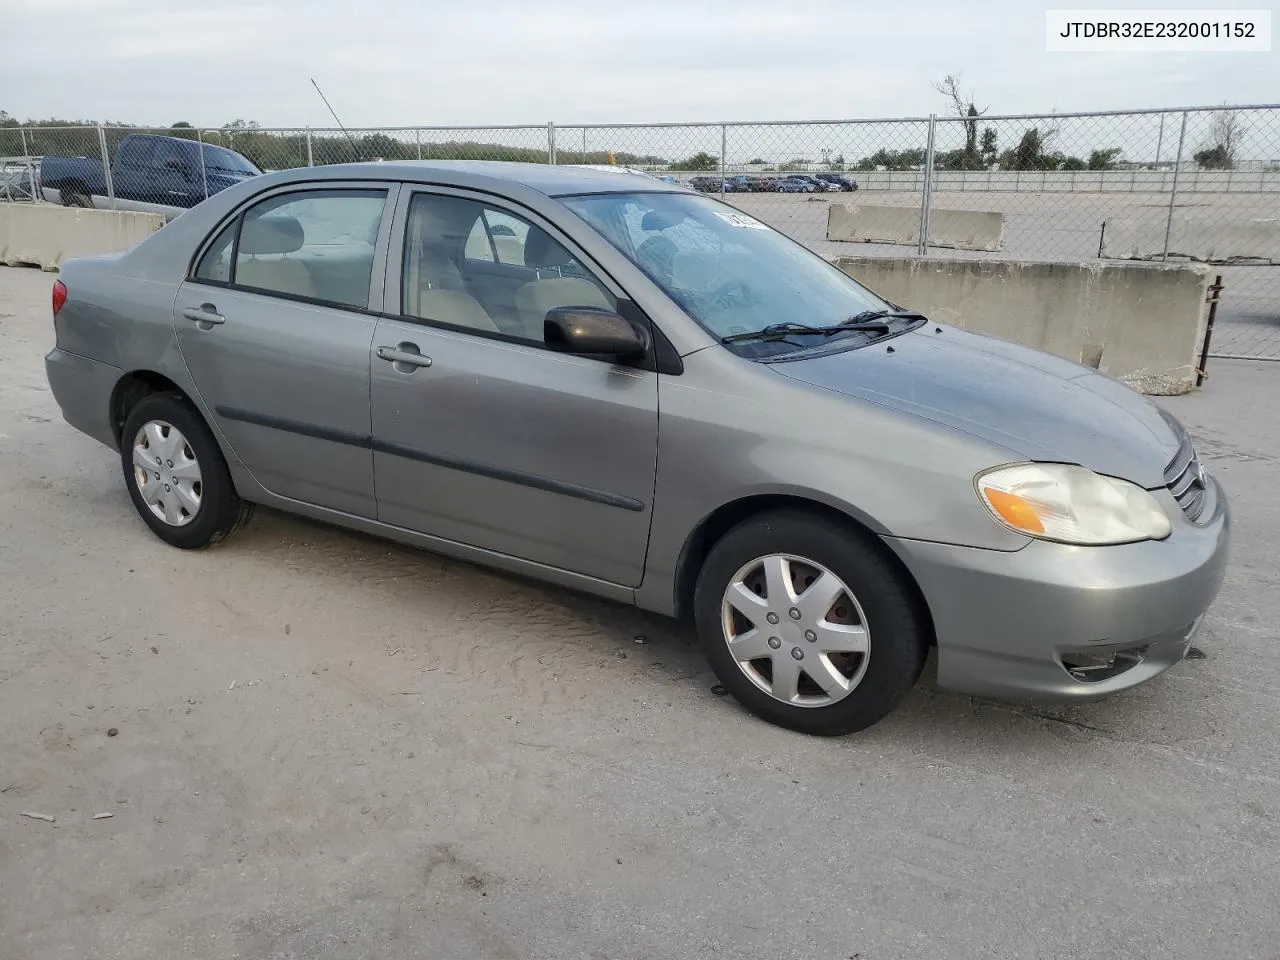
<point x="644" y="393"/>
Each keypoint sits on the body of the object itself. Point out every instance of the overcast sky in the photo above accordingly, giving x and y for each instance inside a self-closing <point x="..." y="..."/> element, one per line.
<point x="383" y="62"/>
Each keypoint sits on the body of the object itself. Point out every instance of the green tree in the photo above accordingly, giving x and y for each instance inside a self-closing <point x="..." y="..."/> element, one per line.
<point x="699" y="161"/>
<point x="987" y="148"/>
<point x="1104" y="159"/>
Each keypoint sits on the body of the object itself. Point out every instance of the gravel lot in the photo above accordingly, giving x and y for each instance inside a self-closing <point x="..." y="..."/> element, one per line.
<point x="329" y="747"/>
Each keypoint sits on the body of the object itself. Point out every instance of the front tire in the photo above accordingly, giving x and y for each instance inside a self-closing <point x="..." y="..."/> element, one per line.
<point x="176" y="475"/>
<point x="809" y="624"/>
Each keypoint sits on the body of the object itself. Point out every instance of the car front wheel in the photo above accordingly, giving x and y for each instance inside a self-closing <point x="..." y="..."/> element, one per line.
<point x="810" y="625"/>
<point x="176" y="474"/>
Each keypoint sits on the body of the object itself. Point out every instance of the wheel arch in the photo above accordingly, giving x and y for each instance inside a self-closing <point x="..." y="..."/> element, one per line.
<point x="134" y="387"/>
<point x="724" y="518"/>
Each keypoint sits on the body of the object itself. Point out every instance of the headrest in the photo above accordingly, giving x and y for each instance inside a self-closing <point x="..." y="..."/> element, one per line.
<point x="270" y="235"/>
<point x="542" y="251"/>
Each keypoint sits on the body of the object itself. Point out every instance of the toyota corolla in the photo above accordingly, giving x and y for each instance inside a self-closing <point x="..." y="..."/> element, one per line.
<point x="644" y="393"/>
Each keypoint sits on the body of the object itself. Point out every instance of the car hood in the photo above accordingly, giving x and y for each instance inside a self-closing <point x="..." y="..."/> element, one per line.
<point x="1036" y="405"/>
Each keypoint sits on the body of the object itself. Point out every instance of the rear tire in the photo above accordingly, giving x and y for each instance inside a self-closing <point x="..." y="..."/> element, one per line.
<point x="73" y="195"/>
<point x="841" y="683"/>
<point x="176" y="475"/>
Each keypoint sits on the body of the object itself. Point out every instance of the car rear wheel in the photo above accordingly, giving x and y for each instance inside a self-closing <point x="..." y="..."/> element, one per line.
<point x="74" y="195"/>
<point x="808" y="624"/>
<point x="176" y="475"/>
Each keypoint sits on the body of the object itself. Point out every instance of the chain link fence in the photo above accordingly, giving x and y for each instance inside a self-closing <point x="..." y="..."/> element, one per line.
<point x="1200" y="184"/>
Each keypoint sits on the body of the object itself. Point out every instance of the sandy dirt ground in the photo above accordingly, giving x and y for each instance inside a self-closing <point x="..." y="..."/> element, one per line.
<point x="329" y="747"/>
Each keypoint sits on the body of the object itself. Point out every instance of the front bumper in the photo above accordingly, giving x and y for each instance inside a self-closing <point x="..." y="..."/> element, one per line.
<point x="83" y="389"/>
<point x="1052" y="622"/>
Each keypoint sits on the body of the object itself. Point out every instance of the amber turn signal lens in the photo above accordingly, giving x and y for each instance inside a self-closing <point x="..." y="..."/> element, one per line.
<point x="1015" y="511"/>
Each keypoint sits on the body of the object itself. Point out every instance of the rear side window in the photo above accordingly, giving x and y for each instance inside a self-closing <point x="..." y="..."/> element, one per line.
<point x="215" y="265"/>
<point x="313" y="245"/>
<point x="136" y="151"/>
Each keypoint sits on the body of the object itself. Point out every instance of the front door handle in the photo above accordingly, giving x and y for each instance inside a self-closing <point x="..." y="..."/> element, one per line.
<point x="404" y="355"/>
<point x="206" y="315"/>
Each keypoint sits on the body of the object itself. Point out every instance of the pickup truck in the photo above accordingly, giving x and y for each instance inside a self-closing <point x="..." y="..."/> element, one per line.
<point x="151" y="173"/>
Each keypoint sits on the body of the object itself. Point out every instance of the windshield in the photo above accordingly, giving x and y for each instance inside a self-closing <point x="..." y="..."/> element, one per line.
<point x="218" y="158"/>
<point x="730" y="272"/>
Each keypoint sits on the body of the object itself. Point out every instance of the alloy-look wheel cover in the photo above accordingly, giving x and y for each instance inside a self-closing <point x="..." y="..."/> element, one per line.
<point x="795" y="630"/>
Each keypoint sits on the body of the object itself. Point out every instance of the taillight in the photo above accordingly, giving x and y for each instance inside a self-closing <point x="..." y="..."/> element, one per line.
<point x="59" y="296"/>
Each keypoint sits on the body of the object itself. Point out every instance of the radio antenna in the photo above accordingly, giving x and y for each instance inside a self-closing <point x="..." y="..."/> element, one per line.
<point x="335" y="117"/>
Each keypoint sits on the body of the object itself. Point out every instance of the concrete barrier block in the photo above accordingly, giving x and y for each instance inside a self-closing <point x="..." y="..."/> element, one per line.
<point x="43" y="235"/>
<point x="1140" y="323"/>
<point x="1193" y="238"/>
<point x="954" y="229"/>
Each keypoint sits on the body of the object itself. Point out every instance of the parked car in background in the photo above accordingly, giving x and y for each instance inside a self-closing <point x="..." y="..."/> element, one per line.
<point x="652" y="396"/>
<point x="737" y="184"/>
<point x="839" y="182"/>
<point x="795" y="184"/>
<point x="151" y="173"/>
<point x="765" y="184"/>
<point x="819" y="185"/>
<point x="705" y="184"/>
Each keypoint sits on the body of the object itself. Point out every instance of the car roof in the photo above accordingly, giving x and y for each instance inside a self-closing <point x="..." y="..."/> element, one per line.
<point x="553" y="181"/>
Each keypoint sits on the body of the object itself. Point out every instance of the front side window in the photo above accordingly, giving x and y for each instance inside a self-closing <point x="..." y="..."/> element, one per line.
<point x="730" y="272"/>
<point x="316" y="244"/>
<point x="470" y="265"/>
<point x="169" y="156"/>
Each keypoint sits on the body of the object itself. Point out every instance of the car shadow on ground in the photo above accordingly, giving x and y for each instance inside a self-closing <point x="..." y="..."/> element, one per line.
<point x="671" y="652"/>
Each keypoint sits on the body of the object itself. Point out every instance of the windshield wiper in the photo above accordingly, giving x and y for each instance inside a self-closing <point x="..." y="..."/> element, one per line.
<point x="872" y="321"/>
<point x="867" y="316"/>
<point x="778" y="331"/>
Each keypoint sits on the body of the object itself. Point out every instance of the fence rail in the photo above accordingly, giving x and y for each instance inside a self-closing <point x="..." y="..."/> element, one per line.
<point x="1188" y="183"/>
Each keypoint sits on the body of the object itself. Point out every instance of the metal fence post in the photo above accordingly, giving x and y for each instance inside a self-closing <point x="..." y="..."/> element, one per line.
<point x="37" y="193"/>
<point x="724" y="144"/>
<point x="1173" y="194"/>
<point x="584" y="144"/>
<point x="204" y="176"/>
<point x="106" y="167"/>
<point x="551" y="142"/>
<point x="1159" y="141"/>
<point x="926" y="188"/>
<point x="417" y="136"/>
<point x="311" y="160"/>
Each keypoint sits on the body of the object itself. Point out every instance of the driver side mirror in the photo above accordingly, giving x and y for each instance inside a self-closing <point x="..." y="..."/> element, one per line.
<point x="590" y="330"/>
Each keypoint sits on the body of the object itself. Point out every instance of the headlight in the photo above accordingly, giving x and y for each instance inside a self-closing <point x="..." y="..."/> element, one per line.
<point x="1055" y="501"/>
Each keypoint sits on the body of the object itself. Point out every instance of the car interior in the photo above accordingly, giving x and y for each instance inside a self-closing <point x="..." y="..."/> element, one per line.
<point x="501" y="284"/>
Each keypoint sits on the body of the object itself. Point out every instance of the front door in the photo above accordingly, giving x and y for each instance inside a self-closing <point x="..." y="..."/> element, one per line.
<point x="275" y="328"/>
<point x="483" y="435"/>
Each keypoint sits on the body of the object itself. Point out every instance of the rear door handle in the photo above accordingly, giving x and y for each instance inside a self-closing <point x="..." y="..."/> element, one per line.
<point x="405" y="353"/>
<point x="206" y="315"/>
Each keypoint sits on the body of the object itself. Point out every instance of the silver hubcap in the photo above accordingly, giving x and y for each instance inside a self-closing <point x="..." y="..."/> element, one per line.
<point x="795" y="630"/>
<point x="167" y="473"/>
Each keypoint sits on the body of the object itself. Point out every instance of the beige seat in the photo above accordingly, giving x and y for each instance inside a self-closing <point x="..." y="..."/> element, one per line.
<point x="263" y="259"/>
<point x="454" y="307"/>
<point x="434" y="288"/>
<point x="536" y="297"/>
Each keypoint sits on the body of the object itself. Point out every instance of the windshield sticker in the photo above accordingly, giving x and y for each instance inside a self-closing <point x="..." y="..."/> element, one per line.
<point x="740" y="220"/>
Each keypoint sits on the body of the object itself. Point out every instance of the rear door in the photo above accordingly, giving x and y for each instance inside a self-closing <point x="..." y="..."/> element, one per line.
<point x="275" y="325"/>
<point x="487" y="437"/>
